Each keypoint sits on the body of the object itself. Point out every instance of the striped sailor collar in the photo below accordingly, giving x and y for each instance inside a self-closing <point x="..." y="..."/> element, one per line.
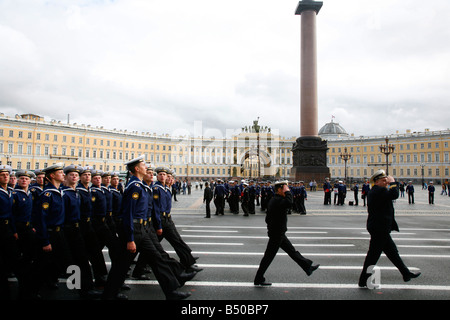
<point x="7" y="191"/>
<point x="81" y="186"/>
<point x="158" y="184"/>
<point x="114" y="189"/>
<point x="50" y="187"/>
<point x="18" y="188"/>
<point x="134" y="180"/>
<point x="97" y="188"/>
<point x="35" y="186"/>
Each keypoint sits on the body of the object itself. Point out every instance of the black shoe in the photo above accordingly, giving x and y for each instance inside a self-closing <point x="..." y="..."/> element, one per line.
<point x="312" y="269"/>
<point x="141" y="277"/>
<point x="185" y="276"/>
<point x="410" y="275"/>
<point x="121" y="296"/>
<point x="262" y="283"/>
<point x="362" y="283"/>
<point x="125" y="287"/>
<point x="193" y="268"/>
<point x="177" y="295"/>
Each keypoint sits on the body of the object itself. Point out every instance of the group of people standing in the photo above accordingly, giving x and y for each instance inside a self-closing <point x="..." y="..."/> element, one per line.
<point x="70" y="213"/>
<point x="339" y="189"/>
<point x="249" y="195"/>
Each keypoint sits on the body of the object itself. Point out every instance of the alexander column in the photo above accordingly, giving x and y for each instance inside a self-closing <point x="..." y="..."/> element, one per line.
<point x="309" y="151"/>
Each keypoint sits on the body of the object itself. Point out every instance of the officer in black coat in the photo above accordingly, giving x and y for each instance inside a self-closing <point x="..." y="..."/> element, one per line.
<point x="380" y="223"/>
<point x="207" y="197"/>
<point x="276" y="220"/>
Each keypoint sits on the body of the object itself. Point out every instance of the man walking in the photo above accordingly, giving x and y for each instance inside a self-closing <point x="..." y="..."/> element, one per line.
<point x="276" y="220"/>
<point x="380" y="223"/>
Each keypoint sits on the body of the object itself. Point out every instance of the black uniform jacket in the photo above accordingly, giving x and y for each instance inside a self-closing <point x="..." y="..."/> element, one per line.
<point x="276" y="217"/>
<point x="381" y="209"/>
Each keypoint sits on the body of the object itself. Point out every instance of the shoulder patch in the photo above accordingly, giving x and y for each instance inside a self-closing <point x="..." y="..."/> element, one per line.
<point x="135" y="196"/>
<point x="45" y="205"/>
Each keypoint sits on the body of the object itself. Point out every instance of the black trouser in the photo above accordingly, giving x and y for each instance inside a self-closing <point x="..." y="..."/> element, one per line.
<point x="176" y="266"/>
<point x="251" y="205"/>
<point x="327" y="198"/>
<point x="79" y="255"/>
<point x="263" y="203"/>
<point x="94" y="251"/>
<point x="53" y="264"/>
<point x="244" y="206"/>
<point x="170" y="233"/>
<point x="301" y="205"/>
<point x="382" y="242"/>
<point x="234" y="204"/>
<point x="219" y="201"/>
<point x="146" y="248"/>
<point x="105" y="236"/>
<point x="208" y="208"/>
<point x="276" y="242"/>
<point x="431" y="197"/>
<point x="341" y="198"/>
<point x="27" y="243"/>
<point x="9" y="259"/>
<point x="411" y="197"/>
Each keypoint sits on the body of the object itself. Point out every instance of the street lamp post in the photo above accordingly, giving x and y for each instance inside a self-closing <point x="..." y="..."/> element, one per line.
<point x="422" y="165"/>
<point x="387" y="149"/>
<point x="345" y="156"/>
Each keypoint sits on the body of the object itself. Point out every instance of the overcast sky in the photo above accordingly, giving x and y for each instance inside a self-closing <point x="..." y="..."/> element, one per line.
<point x="163" y="66"/>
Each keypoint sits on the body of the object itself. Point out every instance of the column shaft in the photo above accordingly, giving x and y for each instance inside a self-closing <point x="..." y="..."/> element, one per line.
<point x="308" y="86"/>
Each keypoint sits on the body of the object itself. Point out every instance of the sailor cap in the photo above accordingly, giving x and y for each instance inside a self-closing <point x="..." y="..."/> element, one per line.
<point x="134" y="161"/>
<point x="162" y="169"/>
<point x="378" y="175"/>
<point x="25" y="173"/>
<point x="53" y="168"/>
<point x="5" y="168"/>
<point x="281" y="182"/>
<point x="73" y="168"/>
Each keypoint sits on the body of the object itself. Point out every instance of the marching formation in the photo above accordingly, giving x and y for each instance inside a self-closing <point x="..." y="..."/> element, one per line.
<point x="71" y="213"/>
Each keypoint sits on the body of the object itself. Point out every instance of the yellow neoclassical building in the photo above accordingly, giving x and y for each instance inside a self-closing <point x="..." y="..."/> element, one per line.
<point x="30" y="142"/>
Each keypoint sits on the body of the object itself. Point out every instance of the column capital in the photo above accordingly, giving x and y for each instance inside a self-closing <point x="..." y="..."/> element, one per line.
<point x="306" y="5"/>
